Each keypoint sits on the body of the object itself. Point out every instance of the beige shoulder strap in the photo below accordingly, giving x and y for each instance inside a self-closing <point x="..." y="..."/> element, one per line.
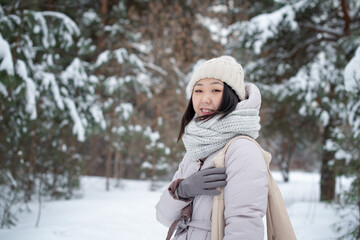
<point x="219" y="159"/>
<point x="278" y="222"/>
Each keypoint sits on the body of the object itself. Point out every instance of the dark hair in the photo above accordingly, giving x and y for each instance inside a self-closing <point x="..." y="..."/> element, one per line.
<point x="228" y="103"/>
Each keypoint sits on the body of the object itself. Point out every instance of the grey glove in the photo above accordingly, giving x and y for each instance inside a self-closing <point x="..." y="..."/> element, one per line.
<point x="203" y="182"/>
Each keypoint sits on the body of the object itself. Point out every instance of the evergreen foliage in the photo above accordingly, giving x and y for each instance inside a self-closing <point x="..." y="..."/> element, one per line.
<point x="301" y="55"/>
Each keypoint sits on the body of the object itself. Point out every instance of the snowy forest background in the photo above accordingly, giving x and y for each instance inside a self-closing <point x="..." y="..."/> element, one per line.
<point x="99" y="87"/>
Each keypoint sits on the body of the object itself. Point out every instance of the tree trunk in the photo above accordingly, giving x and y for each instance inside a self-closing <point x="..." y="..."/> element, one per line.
<point x="104" y="8"/>
<point x="327" y="182"/>
<point x="118" y="166"/>
<point x="110" y="149"/>
<point x="69" y="166"/>
<point x="103" y="13"/>
<point x="154" y="127"/>
<point x="50" y="5"/>
<point x="284" y="165"/>
<point x="32" y="160"/>
<point x="288" y="147"/>
<point x="358" y="233"/>
<point x="358" y="198"/>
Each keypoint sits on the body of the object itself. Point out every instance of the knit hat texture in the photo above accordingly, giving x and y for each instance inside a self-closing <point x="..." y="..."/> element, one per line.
<point x="224" y="68"/>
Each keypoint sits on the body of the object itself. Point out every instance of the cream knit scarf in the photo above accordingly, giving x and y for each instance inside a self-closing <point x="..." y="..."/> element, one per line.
<point x="201" y="138"/>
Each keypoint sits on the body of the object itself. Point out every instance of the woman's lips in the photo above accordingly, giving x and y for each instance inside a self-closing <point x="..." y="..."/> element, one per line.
<point x="206" y="111"/>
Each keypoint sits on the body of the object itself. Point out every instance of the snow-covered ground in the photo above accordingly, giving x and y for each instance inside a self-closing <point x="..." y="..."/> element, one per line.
<point x="128" y="213"/>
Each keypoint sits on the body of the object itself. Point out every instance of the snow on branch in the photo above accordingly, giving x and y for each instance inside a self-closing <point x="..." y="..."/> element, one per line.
<point x="102" y="58"/>
<point x="6" y="62"/>
<point x="121" y="54"/>
<point x="68" y="22"/>
<point x="40" y="18"/>
<point x="352" y="72"/>
<point x="153" y="136"/>
<point x="156" y="68"/>
<point x="356" y="14"/>
<point x="98" y="115"/>
<point x="76" y="72"/>
<point x="316" y="39"/>
<point x="10" y="19"/>
<point x="3" y="90"/>
<point x="113" y="83"/>
<point x="217" y="31"/>
<point x="65" y="30"/>
<point x="137" y="62"/>
<point x="31" y="91"/>
<point x="48" y="79"/>
<point x="266" y="25"/>
<point x="78" y="128"/>
<point x="126" y="109"/>
<point x="322" y="30"/>
<point x="352" y="84"/>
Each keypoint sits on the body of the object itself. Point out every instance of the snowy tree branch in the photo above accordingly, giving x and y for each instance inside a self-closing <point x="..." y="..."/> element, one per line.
<point x="321" y="29"/>
<point x="156" y="68"/>
<point x="309" y="42"/>
<point x="356" y="13"/>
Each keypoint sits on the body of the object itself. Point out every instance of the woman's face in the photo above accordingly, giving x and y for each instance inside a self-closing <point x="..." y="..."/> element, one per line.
<point x="207" y="96"/>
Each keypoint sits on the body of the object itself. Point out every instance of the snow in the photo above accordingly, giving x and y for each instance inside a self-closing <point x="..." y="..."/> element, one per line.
<point x="352" y="83"/>
<point x="137" y="62"/>
<point x="156" y="68"/>
<point x="102" y="58"/>
<point x="146" y="165"/>
<point x="69" y="24"/>
<point x="145" y="82"/>
<point x="90" y="17"/>
<point x="76" y="72"/>
<point x="31" y="91"/>
<point x="98" y="115"/>
<point x="126" y="109"/>
<point x="342" y="154"/>
<point x="219" y="9"/>
<point x="120" y="55"/>
<point x="267" y="24"/>
<point x="6" y="62"/>
<point x="48" y="79"/>
<point x="144" y="47"/>
<point x="324" y="117"/>
<point x="352" y="72"/>
<point x="136" y="128"/>
<point x="128" y="213"/>
<point x="154" y="136"/>
<point x="3" y="90"/>
<point x="43" y="26"/>
<point x="353" y="119"/>
<point x="218" y="32"/>
<point x="113" y="83"/>
<point x="78" y="128"/>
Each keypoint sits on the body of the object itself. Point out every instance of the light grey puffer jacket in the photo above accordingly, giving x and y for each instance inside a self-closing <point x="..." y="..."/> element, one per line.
<point x="245" y="196"/>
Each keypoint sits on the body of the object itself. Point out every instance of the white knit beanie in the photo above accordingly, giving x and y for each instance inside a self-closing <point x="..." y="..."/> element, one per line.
<point x="224" y="68"/>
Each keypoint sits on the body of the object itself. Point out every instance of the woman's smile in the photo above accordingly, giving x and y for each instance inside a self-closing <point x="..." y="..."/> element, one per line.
<point x="206" y="111"/>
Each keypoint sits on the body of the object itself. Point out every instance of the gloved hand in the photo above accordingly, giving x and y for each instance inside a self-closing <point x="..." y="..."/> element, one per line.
<point x="203" y="182"/>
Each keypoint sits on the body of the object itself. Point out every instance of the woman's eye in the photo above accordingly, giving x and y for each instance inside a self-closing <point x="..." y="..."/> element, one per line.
<point x="216" y="90"/>
<point x="197" y="90"/>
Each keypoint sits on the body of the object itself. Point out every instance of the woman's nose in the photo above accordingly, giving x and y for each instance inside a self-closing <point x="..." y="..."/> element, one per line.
<point x="206" y="98"/>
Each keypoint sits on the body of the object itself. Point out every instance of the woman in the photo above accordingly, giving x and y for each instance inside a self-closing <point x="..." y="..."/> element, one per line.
<point x="221" y="107"/>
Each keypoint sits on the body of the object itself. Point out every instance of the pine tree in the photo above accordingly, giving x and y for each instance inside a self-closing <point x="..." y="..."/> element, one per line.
<point x="302" y="47"/>
<point x="48" y="98"/>
<point x="301" y="50"/>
